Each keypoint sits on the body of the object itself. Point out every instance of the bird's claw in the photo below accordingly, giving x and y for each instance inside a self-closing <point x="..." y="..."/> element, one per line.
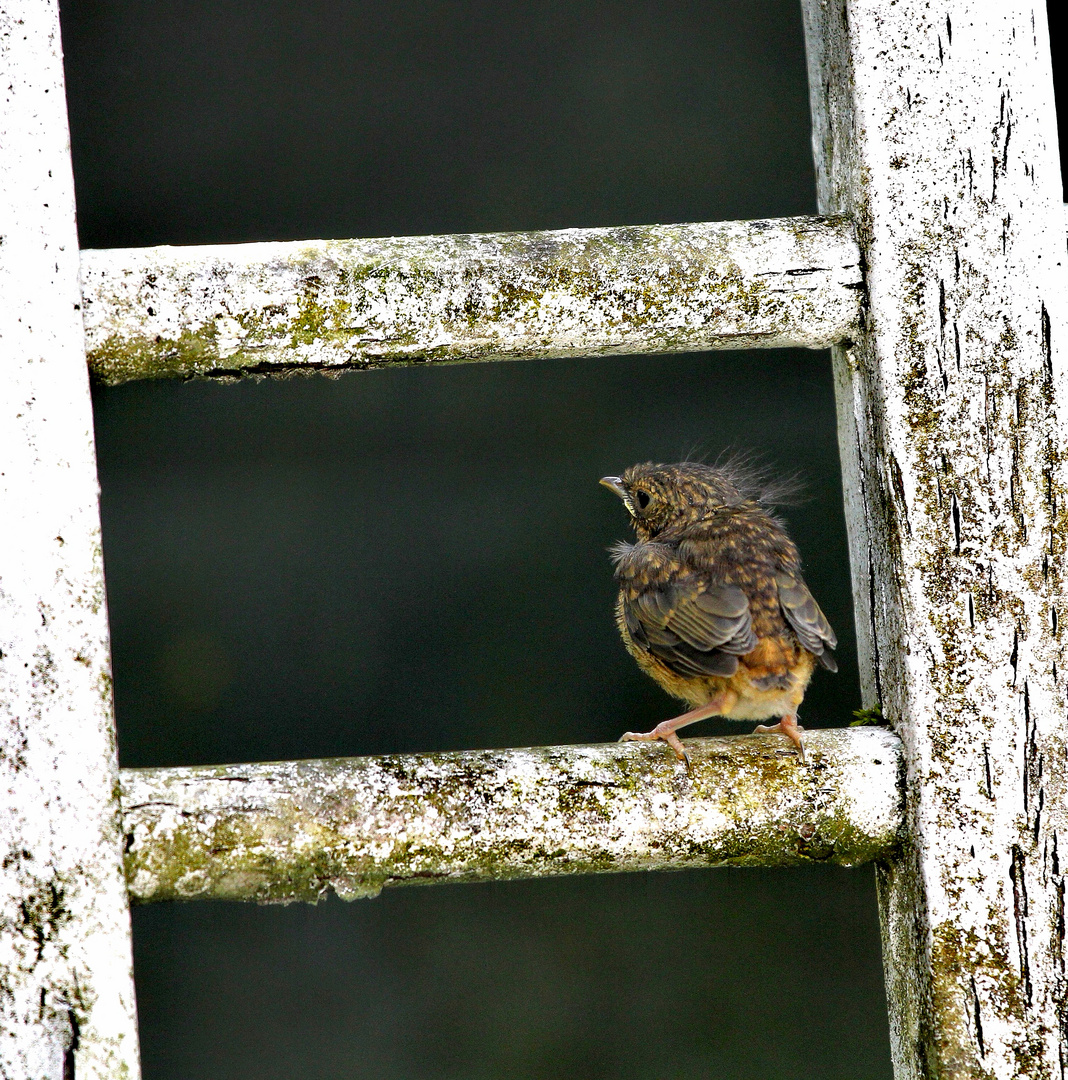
<point x="791" y="729"/>
<point x="668" y="736"/>
<point x="680" y="751"/>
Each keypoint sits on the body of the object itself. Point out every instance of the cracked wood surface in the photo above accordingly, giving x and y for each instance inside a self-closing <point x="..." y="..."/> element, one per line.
<point x="296" y="830"/>
<point x="66" y="984"/>
<point x="934" y="126"/>
<point x="335" y="305"/>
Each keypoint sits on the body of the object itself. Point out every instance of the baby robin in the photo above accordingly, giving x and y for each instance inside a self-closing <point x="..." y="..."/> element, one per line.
<point x="711" y="600"/>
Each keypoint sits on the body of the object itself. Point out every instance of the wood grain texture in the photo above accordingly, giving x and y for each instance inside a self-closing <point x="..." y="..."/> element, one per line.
<point x="66" y="985"/>
<point x="934" y="126"/>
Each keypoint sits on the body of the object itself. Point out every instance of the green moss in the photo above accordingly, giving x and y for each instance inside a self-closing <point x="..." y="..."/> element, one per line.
<point x="235" y="854"/>
<point x="957" y="958"/>
<point x="868" y="717"/>
<point x="122" y="358"/>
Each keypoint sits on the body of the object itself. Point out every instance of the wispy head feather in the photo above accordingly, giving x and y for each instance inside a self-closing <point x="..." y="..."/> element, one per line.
<point x="755" y="478"/>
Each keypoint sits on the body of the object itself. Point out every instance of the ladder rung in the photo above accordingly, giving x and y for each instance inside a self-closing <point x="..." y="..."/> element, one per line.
<point x="279" y="308"/>
<point x="295" y="830"/>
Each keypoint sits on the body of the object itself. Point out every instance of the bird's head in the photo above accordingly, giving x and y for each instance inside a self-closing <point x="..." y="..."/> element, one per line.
<point x="661" y="497"/>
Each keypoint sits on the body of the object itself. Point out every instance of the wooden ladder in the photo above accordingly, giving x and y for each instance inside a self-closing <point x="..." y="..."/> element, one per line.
<point x="936" y="277"/>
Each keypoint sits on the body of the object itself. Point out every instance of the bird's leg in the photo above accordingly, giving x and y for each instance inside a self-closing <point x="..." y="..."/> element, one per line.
<point x="788" y="726"/>
<point x="720" y="704"/>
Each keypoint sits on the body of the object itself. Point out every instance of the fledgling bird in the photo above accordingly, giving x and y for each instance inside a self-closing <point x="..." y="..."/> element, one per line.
<point x="711" y="600"/>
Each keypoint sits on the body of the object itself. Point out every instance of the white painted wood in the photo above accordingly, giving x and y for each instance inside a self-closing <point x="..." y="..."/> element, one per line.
<point x="342" y="304"/>
<point x="934" y="125"/>
<point x="66" y="989"/>
<point x="296" y="830"/>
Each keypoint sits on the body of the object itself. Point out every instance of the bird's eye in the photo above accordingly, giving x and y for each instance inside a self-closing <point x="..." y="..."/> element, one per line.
<point x="642" y="499"/>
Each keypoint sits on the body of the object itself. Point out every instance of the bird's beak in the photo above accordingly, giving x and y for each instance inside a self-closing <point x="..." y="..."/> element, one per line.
<point x="615" y="483"/>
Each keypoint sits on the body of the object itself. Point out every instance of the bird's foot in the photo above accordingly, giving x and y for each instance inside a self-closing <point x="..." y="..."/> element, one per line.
<point x="788" y="726"/>
<point x="661" y="731"/>
<point x="666" y="730"/>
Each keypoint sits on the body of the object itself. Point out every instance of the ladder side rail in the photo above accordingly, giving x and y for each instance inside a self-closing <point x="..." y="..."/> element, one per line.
<point x="66" y="984"/>
<point x="934" y="127"/>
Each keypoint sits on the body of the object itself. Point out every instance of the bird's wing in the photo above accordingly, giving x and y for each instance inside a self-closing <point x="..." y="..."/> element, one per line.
<point x="804" y="615"/>
<point x="693" y="628"/>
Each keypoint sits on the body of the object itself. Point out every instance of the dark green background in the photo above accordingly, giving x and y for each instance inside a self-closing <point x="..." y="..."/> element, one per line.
<point x="415" y="559"/>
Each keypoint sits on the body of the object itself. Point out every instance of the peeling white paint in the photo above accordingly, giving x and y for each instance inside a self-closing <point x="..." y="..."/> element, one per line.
<point x="294" y="830"/>
<point x="332" y="305"/>
<point x="66" y="986"/>
<point x="934" y="126"/>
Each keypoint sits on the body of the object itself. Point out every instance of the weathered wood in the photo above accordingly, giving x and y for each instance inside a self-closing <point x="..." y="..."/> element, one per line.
<point x="294" y="830"/>
<point x="66" y="986"/>
<point x="277" y="309"/>
<point x="934" y="126"/>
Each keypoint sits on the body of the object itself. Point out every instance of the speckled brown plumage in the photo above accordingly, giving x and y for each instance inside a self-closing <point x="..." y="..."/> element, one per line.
<point x="711" y="601"/>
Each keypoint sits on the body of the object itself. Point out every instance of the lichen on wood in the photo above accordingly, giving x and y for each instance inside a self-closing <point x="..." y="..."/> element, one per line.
<point x="298" y="830"/>
<point x="66" y="983"/>
<point x="934" y="126"/>
<point x="333" y="305"/>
